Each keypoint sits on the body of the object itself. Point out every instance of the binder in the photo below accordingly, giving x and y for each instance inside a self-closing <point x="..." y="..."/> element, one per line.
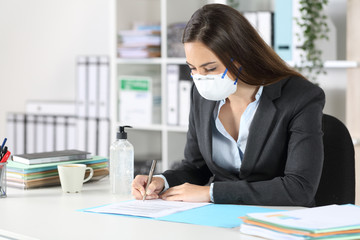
<point x="252" y="18"/>
<point x="104" y="88"/>
<point x="40" y="134"/>
<point x="20" y="137"/>
<point x="93" y="110"/>
<point x="297" y="32"/>
<point x="185" y="84"/>
<point x="70" y="125"/>
<point x="60" y="133"/>
<point x="81" y="87"/>
<point x="50" y="141"/>
<point x="172" y="94"/>
<point x="184" y="100"/>
<point x="11" y="131"/>
<point x="31" y="123"/>
<point x="283" y="32"/>
<point x="265" y="26"/>
<point x="81" y="133"/>
<point x="104" y="137"/>
<point x="93" y="86"/>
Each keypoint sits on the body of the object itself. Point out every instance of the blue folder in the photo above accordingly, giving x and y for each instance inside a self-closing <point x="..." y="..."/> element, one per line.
<point x="216" y="215"/>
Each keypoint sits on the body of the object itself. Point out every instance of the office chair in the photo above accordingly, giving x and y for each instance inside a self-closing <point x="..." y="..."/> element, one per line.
<point x="337" y="183"/>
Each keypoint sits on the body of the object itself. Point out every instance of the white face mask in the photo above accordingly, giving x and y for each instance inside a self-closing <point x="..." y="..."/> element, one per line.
<point x="214" y="87"/>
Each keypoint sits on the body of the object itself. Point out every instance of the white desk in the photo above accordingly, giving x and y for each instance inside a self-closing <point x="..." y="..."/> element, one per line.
<point x="48" y="214"/>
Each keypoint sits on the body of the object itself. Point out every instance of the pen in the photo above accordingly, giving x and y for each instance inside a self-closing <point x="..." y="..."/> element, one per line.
<point x="153" y="165"/>
<point x="5" y="157"/>
<point x="3" y="144"/>
<point x="3" y="152"/>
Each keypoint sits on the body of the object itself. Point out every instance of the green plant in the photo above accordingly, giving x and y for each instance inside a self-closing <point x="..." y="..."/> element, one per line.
<point x="313" y="24"/>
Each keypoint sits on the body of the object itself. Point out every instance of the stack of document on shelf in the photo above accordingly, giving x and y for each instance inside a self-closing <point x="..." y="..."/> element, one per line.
<point x="27" y="176"/>
<point x="327" y="222"/>
<point x="140" y="42"/>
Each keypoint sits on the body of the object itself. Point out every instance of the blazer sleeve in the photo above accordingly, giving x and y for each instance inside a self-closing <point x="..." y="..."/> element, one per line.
<point x="194" y="168"/>
<point x="303" y="164"/>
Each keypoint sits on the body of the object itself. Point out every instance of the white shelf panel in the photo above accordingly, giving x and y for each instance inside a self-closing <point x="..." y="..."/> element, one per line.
<point x="334" y="64"/>
<point x="177" y="129"/>
<point x="151" y="60"/>
<point x="138" y="60"/>
<point x="158" y="127"/>
<point x="341" y="64"/>
<point x="175" y="60"/>
<point x="154" y="127"/>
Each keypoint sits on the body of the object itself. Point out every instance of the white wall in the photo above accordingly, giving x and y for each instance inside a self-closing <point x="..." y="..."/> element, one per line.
<point x="39" y="43"/>
<point x="40" y="40"/>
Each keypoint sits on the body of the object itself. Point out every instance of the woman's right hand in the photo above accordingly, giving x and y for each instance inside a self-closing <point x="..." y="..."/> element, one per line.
<point x="138" y="187"/>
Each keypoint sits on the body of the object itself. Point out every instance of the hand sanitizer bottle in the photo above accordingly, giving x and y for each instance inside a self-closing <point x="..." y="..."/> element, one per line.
<point x="121" y="164"/>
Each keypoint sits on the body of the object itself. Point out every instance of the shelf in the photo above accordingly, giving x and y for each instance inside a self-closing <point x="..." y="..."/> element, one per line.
<point x="138" y="60"/>
<point x="153" y="127"/>
<point x="334" y="64"/>
<point x="176" y="60"/>
<point x="341" y="64"/>
<point x="159" y="127"/>
<point x="151" y="60"/>
<point x="177" y="128"/>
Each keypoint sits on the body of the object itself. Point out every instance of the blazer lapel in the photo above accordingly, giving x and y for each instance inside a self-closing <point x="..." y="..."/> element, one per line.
<point x="207" y="116"/>
<point x="260" y="128"/>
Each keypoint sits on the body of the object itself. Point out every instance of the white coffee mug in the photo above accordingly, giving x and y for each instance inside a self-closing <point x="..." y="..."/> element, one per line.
<point x="72" y="176"/>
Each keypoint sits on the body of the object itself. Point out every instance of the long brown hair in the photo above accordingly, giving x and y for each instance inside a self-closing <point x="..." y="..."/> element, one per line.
<point x="228" y="34"/>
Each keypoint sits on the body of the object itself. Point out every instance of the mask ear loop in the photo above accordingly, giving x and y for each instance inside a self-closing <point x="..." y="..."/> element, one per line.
<point x="224" y="73"/>
<point x="236" y="80"/>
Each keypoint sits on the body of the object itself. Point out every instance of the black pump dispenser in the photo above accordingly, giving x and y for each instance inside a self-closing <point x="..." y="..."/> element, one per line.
<point x="121" y="134"/>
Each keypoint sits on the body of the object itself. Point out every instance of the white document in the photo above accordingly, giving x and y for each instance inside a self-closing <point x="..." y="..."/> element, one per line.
<point x="267" y="233"/>
<point x="315" y="219"/>
<point x="149" y="208"/>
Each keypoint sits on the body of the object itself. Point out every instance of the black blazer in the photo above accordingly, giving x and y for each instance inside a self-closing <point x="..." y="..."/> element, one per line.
<point x="284" y="155"/>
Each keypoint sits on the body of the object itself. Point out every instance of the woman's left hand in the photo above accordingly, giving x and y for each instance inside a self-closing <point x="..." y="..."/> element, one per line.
<point x="188" y="193"/>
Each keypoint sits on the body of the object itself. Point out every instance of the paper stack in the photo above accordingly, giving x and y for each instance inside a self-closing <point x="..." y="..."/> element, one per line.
<point x="140" y="42"/>
<point x="327" y="222"/>
<point x="27" y="176"/>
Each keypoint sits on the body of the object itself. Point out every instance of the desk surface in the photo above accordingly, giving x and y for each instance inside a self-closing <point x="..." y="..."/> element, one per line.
<point x="48" y="213"/>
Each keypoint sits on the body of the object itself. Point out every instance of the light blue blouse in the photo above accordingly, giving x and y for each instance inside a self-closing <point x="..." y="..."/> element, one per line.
<point x="226" y="152"/>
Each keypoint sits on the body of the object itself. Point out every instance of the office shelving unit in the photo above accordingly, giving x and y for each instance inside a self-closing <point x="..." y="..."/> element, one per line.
<point x="158" y="140"/>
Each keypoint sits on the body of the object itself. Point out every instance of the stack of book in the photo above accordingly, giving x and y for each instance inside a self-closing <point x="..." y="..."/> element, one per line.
<point x="327" y="222"/>
<point x="40" y="169"/>
<point x="140" y="42"/>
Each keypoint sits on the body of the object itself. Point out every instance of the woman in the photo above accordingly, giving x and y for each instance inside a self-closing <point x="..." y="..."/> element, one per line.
<point x="255" y="124"/>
